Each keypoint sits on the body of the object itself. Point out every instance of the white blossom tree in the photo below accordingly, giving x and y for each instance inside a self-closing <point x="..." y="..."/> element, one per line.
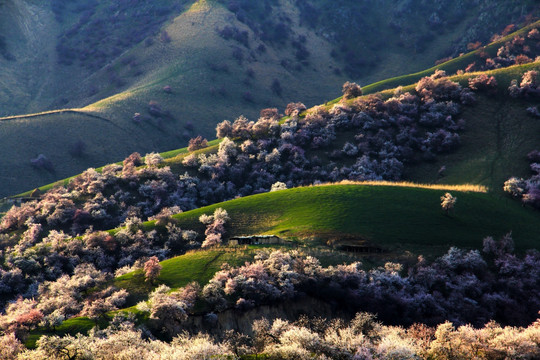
<point x="448" y="202"/>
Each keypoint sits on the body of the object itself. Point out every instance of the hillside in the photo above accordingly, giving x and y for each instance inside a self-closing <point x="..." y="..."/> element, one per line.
<point x="398" y="219"/>
<point x="125" y="71"/>
<point x="498" y="135"/>
<point x="452" y="66"/>
<point x="379" y="216"/>
<point x="345" y="214"/>
<point x="111" y="59"/>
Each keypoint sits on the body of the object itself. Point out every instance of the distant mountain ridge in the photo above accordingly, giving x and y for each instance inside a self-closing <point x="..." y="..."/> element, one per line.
<point x="84" y="58"/>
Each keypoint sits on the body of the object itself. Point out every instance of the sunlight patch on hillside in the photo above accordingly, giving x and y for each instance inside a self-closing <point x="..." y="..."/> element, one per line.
<point x="199" y="6"/>
<point x="458" y="187"/>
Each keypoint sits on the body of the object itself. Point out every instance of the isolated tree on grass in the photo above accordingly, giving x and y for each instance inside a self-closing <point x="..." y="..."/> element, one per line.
<point x="448" y="202"/>
<point x="278" y="186"/>
<point x="152" y="268"/>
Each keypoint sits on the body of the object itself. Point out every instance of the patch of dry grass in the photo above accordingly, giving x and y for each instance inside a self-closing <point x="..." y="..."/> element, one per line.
<point x="457" y="187"/>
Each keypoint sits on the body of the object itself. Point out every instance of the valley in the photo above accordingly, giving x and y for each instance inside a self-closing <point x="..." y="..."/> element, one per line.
<point x="274" y="179"/>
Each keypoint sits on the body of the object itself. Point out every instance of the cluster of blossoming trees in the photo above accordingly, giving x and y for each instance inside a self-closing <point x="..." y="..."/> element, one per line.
<point x="383" y="136"/>
<point x="58" y="261"/>
<point x="360" y="338"/>
<point x="519" y="50"/>
<point x="309" y="338"/>
<point x="461" y="286"/>
<point x="364" y="138"/>
<point x="359" y="138"/>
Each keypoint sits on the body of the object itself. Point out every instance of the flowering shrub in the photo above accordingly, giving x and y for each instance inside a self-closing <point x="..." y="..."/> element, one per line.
<point x="458" y="286"/>
<point x="215" y="227"/>
<point x="351" y="90"/>
<point x="528" y="87"/>
<point x="197" y="143"/>
<point x="363" y="337"/>
<point x="528" y="190"/>
<point x="152" y="268"/>
<point x="483" y="82"/>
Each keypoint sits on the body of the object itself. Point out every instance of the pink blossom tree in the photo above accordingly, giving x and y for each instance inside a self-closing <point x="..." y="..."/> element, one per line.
<point x="152" y="269"/>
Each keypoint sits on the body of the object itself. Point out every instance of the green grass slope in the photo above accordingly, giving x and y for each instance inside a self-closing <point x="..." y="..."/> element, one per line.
<point x="395" y="218"/>
<point x="198" y="266"/>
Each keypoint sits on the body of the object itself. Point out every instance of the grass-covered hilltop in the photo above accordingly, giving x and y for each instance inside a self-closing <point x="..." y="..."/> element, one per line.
<point x="397" y="221"/>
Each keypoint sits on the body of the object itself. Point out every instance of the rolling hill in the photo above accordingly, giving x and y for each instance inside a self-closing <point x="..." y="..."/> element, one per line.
<point x="396" y="218"/>
<point x="135" y="255"/>
<point x="498" y="135"/>
<point x="125" y="72"/>
<point x="403" y="219"/>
